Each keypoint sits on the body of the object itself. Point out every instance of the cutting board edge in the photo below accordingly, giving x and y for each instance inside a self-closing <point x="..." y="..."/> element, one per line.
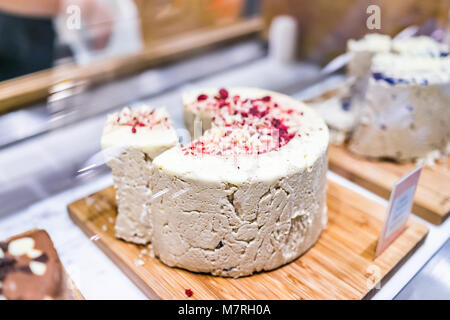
<point x="419" y="210"/>
<point x="397" y="266"/>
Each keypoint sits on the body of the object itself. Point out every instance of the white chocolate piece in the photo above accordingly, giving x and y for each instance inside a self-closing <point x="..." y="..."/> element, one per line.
<point x="34" y="253"/>
<point x="419" y="46"/>
<point x="38" y="268"/>
<point x="131" y="165"/>
<point x="21" y="246"/>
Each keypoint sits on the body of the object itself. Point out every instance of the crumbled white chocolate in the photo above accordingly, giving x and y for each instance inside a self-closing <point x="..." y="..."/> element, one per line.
<point x="138" y="262"/>
<point x="422" y="46"/>
<point x="143" y="252"/>
<point x="143" y="116"/>
<point x="21" y="246"/>
<point x="104" y="227"/>
<point x="38" y="268"/>
<point x="398" y="69"/>
<point x="431" y="158"/>
<point x="151" y="253"/>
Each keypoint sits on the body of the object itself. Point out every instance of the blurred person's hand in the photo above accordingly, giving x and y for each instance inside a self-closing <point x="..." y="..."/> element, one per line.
<point x="26" y="24"/>
<point x="97" y="21"/>
<point x="96" y="18"/>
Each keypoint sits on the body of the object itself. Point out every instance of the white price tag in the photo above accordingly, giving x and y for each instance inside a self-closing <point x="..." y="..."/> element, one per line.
<point x="400" y="205"/>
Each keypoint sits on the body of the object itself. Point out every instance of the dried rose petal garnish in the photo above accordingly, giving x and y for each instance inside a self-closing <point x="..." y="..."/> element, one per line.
<point x="139" y="117"/>
<point x="189" y="292"/>
<point x="242" y="125"/>
<point x="223" y="93"/>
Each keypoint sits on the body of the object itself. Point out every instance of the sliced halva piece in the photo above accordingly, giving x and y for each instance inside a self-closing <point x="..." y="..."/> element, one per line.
<point x="250" y="194"/>
<point x="131" y="139"/>
<point x="406" y="113"/>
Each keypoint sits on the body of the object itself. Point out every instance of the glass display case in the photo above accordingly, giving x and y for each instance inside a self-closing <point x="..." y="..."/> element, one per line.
<point x="376" y="77"/>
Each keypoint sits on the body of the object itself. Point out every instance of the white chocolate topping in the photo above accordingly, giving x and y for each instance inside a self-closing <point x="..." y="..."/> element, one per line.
<point x="308" y="140"/>
<point x="146" y="129"/>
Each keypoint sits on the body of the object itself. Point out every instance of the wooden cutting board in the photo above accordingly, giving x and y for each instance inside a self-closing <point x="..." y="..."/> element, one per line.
<point x="432" y="199"/>
<point x="341" y="265"/>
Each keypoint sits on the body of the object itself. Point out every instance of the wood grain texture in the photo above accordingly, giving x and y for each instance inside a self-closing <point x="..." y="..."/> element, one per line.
<point x="341" y="265"/>
<point x="432" y="199"/>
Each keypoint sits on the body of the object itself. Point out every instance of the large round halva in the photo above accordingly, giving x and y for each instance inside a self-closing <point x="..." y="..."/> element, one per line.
<point x="250" y="194"/>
